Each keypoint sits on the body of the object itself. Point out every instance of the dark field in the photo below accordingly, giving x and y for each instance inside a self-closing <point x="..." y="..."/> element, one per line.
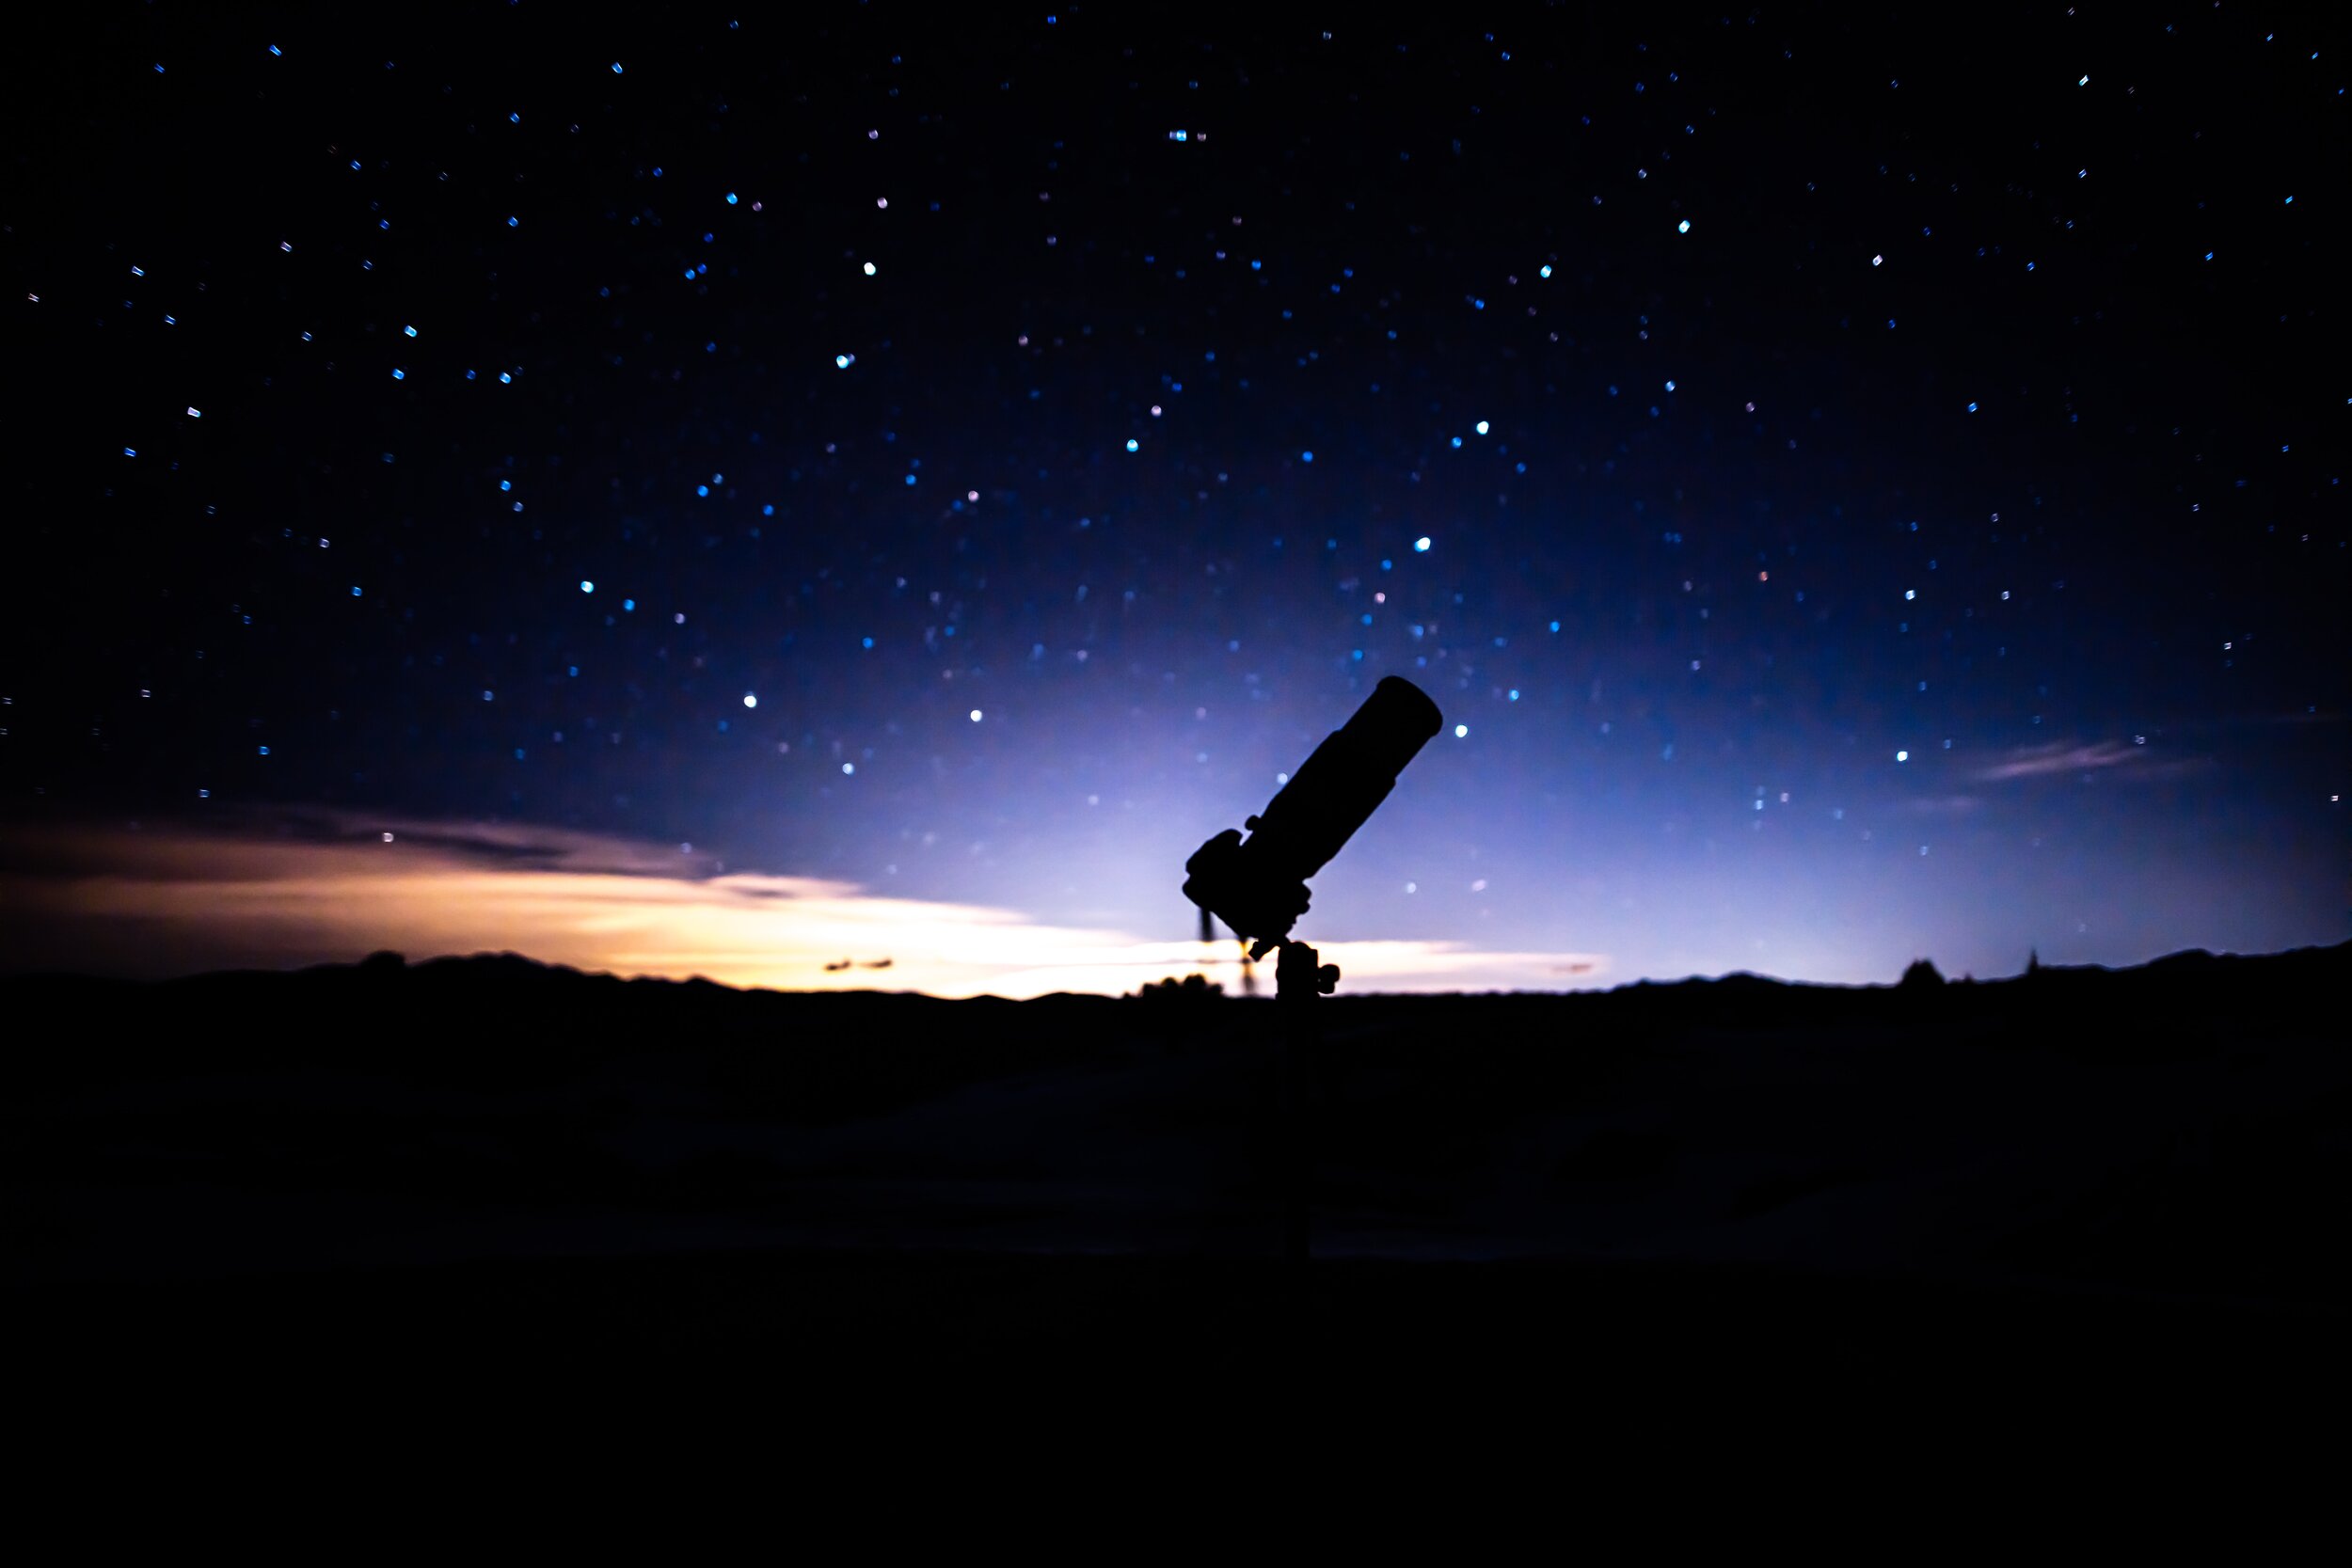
<point x="2096" y="1192"/>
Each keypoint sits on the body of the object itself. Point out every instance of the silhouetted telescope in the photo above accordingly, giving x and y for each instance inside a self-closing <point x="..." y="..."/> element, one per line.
<point x="1258" y="885"/>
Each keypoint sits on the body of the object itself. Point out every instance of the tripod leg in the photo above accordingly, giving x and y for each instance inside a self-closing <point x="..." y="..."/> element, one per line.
<point x="1297" y="987"/>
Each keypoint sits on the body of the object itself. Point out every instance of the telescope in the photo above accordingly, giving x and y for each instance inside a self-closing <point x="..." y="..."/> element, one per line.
<point x="1258" y="885"/>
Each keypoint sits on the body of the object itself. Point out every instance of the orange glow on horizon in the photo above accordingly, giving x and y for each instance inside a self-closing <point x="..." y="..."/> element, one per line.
<point x="157" y="903"/>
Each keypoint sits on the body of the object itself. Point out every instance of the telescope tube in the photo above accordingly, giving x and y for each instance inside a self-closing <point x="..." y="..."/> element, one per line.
<point x="1258" y="885"/>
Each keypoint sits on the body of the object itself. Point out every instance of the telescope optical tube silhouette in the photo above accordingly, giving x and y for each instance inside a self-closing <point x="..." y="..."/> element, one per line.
<point x="1258" y="885"/>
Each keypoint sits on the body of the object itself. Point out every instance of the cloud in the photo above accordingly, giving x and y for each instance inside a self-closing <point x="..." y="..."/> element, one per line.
<point x="2035" y="762"/>
<point x="2137" y="763"/>
<point x="505" y="842"/>
<point x="325" y="887"/>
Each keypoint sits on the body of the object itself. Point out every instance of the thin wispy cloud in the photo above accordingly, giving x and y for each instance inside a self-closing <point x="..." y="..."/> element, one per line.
<point x="325" y="888"/>
<point x="2036" y="761"/>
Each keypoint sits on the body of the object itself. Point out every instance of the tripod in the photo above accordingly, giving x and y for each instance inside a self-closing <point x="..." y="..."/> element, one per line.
<point x="1301" y="980"/>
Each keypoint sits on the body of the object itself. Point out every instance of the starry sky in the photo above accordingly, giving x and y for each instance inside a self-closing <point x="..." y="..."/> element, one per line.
<point x="837" y="480"/>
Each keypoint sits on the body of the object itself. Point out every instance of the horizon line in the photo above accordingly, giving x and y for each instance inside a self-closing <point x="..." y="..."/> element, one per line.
<point x="482" y="955"/>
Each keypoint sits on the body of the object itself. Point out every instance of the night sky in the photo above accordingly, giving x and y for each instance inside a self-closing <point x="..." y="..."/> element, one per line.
<point x="1855" y="493"/>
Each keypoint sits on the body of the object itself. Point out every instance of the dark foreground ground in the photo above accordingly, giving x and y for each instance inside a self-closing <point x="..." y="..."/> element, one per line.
<point x="2101" y="1200"/>
<point x="1542" y="1384"/>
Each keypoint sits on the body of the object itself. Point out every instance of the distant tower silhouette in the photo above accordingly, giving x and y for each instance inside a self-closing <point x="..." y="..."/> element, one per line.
<point x="2033" y="960"/>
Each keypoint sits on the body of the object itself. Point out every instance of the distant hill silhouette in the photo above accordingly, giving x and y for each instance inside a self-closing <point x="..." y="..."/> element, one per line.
<point x="504" y="1020"/>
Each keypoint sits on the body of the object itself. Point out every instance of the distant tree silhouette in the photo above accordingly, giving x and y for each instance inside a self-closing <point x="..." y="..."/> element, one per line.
<point x="1921" y="976"/>
<point x="1192" y="988"/>
<point x="2033" y="960"/>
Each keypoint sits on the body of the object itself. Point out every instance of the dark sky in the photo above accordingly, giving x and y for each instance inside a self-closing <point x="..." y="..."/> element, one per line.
<point x="1863" y="490"/>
